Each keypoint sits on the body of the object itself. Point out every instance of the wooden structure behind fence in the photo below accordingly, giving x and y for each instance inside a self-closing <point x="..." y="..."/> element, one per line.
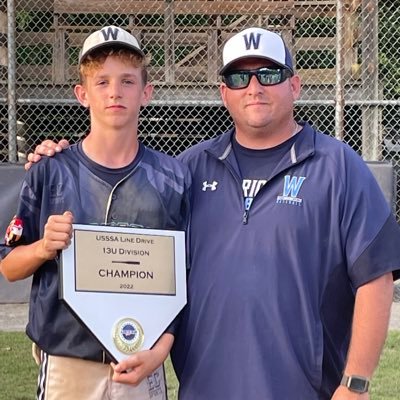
<point x="199" y="66"/>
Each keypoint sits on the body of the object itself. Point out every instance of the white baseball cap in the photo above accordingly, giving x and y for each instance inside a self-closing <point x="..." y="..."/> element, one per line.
<point x="256" y="42"/>
<point x="109" y="36"/>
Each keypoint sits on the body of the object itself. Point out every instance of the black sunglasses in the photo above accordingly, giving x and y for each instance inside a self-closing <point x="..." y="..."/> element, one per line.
<point x="265" y="76"/>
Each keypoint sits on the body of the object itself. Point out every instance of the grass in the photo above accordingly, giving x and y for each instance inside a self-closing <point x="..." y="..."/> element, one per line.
<point x="18" y="371"/>
<point x="386" y="382"/>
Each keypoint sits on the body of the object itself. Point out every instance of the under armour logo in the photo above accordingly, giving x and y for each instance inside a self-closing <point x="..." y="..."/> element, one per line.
<point x="212" y="186"/>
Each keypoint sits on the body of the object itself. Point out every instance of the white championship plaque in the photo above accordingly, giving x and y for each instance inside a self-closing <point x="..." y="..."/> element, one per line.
<point x="126" y="285"/>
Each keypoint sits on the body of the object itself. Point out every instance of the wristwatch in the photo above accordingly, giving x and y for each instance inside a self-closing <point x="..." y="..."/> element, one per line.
<point x="355" y="383"/>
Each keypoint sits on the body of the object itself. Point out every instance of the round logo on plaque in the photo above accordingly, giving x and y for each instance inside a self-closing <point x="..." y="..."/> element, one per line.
<point x="128" y="335"/>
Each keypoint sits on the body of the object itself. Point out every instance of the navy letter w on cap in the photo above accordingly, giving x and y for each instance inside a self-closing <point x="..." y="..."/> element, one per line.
<point x="252" y="40"/>
<point x="109" y="36"/>
<point x="259" y="43"/>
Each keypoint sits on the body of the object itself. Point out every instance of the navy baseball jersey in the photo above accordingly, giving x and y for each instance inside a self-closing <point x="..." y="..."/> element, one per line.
<point x="152" y="192"/>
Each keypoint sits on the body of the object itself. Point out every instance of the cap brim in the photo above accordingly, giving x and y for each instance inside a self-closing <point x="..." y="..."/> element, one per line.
<point x="112" y="44"/>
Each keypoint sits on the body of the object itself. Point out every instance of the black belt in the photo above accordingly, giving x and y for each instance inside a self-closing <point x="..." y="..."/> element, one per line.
<point x="102" y="357"/>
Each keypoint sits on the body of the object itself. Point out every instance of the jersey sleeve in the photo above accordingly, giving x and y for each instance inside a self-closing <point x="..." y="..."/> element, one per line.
<point x="24" y="228"/>
<point x="369" y="231"/>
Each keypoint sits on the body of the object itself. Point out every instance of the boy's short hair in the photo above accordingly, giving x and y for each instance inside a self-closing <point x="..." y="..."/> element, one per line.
<point x="96" y="59"/>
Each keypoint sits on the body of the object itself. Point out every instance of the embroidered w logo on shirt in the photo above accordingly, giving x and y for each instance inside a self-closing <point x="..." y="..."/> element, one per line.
<point x="291" y="189"/>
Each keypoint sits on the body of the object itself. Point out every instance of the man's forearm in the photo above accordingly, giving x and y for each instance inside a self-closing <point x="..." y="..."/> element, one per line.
<point x="370" y="325"/>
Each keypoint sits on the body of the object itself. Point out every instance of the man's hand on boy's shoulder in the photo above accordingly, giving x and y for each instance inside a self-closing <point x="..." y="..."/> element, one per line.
<point x="46" y="148"/>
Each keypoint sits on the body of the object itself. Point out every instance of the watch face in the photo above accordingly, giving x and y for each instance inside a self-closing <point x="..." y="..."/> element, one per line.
<point x="358" y="384"/>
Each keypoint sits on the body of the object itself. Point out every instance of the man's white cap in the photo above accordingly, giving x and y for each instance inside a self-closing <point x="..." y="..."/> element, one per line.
<point x="256" y="42"/>
<point x="109" y="36"/>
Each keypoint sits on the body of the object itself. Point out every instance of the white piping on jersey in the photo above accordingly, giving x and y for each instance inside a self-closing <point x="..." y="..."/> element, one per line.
<point x="226" y="152"/>
<point x="293" y="156"/>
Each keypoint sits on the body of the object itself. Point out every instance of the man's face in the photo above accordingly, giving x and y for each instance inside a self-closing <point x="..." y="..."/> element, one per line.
<point x="114" y="94"/>
<point x="259" y="108"/>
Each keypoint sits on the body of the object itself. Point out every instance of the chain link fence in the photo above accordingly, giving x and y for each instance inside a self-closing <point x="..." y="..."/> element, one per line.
<point x="347" y="53"/>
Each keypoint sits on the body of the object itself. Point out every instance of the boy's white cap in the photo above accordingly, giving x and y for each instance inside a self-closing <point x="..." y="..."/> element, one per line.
<point x="109" y="36"/>
<point x="256" y="42"/>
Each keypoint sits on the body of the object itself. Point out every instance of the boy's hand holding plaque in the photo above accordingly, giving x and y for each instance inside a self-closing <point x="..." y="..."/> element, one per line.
<point x="125" y="284"/>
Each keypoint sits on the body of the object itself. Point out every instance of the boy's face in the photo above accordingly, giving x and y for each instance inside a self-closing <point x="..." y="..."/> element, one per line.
<point x="114" y="93"/>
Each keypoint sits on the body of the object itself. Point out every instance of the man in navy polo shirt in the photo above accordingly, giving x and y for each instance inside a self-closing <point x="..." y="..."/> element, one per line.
<point x="292" y="248"/>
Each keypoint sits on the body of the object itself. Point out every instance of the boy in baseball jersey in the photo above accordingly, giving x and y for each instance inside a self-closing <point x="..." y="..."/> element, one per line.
<point x="107" y="178"/>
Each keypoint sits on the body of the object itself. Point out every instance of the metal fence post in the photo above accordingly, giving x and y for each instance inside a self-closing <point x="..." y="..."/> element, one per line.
<point x="12" y="100"/>
<point x="371" y="119"/>
<point x="339" y="96"/>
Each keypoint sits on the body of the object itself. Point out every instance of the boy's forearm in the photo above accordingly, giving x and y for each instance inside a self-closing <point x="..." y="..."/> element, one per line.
<point x="164" y="345"/>
<point x="23" y="261"/>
